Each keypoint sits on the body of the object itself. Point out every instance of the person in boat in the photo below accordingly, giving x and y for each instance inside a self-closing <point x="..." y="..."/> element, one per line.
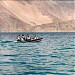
<point x="22" y="38"/>
<point x="35" y="37"/>
<point x="18" y="38"/>
<point x="28" y="37"/>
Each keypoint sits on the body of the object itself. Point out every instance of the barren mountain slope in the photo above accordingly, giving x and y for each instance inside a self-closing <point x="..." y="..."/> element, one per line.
<point x="67" y="26"/>
<point x="55" y="10"/>
<point x="36" y="15"/>
<point x="10" y="23"/>
<point x="27" y="13"/>
<point x="40" y="12"/>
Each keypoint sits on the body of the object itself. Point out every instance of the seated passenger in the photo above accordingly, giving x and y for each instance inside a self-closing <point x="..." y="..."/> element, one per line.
<point x="35" y="37"/>
<point x="28" y="37"/>
<point x="18" y="38"/>
<point x="23" y="38"/>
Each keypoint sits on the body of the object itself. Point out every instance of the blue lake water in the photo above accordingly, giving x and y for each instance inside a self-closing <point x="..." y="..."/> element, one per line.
<point x="54" y="55"/>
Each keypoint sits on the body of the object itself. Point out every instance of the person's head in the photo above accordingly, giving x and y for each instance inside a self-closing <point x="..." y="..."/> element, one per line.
<point x="22" y="34"/>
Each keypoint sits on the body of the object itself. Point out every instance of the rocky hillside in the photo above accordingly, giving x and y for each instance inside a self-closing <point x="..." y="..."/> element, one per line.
<point x="11" y="23"/>
<point x="36" y="15"/>
<point x="68" y="26"/>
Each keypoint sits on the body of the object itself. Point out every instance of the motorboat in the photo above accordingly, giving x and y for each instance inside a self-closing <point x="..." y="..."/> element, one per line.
<point x="30" y="40"/>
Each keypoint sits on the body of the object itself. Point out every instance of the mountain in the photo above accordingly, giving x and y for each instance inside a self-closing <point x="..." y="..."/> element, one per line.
<point x="28" y="15"/>
<point x="67" y="26"/>
<point x="11" y="23"/>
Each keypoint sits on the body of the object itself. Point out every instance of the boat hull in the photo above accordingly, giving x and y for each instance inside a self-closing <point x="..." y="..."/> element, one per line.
<point x="30" y="40"/>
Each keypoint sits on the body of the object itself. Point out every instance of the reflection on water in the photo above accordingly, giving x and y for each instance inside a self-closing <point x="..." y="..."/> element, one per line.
<point x="53" y="55"/>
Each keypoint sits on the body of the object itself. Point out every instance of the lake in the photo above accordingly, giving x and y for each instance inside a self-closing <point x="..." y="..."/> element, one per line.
<point x="54" y="55"/>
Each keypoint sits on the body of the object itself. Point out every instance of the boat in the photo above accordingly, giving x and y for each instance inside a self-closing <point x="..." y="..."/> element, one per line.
<point x="30" y="40"/>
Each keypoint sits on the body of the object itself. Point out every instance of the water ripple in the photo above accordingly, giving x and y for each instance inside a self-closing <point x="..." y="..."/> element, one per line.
<point x="54" y="55"/>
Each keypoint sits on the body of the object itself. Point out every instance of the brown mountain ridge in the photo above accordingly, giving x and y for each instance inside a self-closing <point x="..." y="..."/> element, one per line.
<point x="37" y="16"/>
